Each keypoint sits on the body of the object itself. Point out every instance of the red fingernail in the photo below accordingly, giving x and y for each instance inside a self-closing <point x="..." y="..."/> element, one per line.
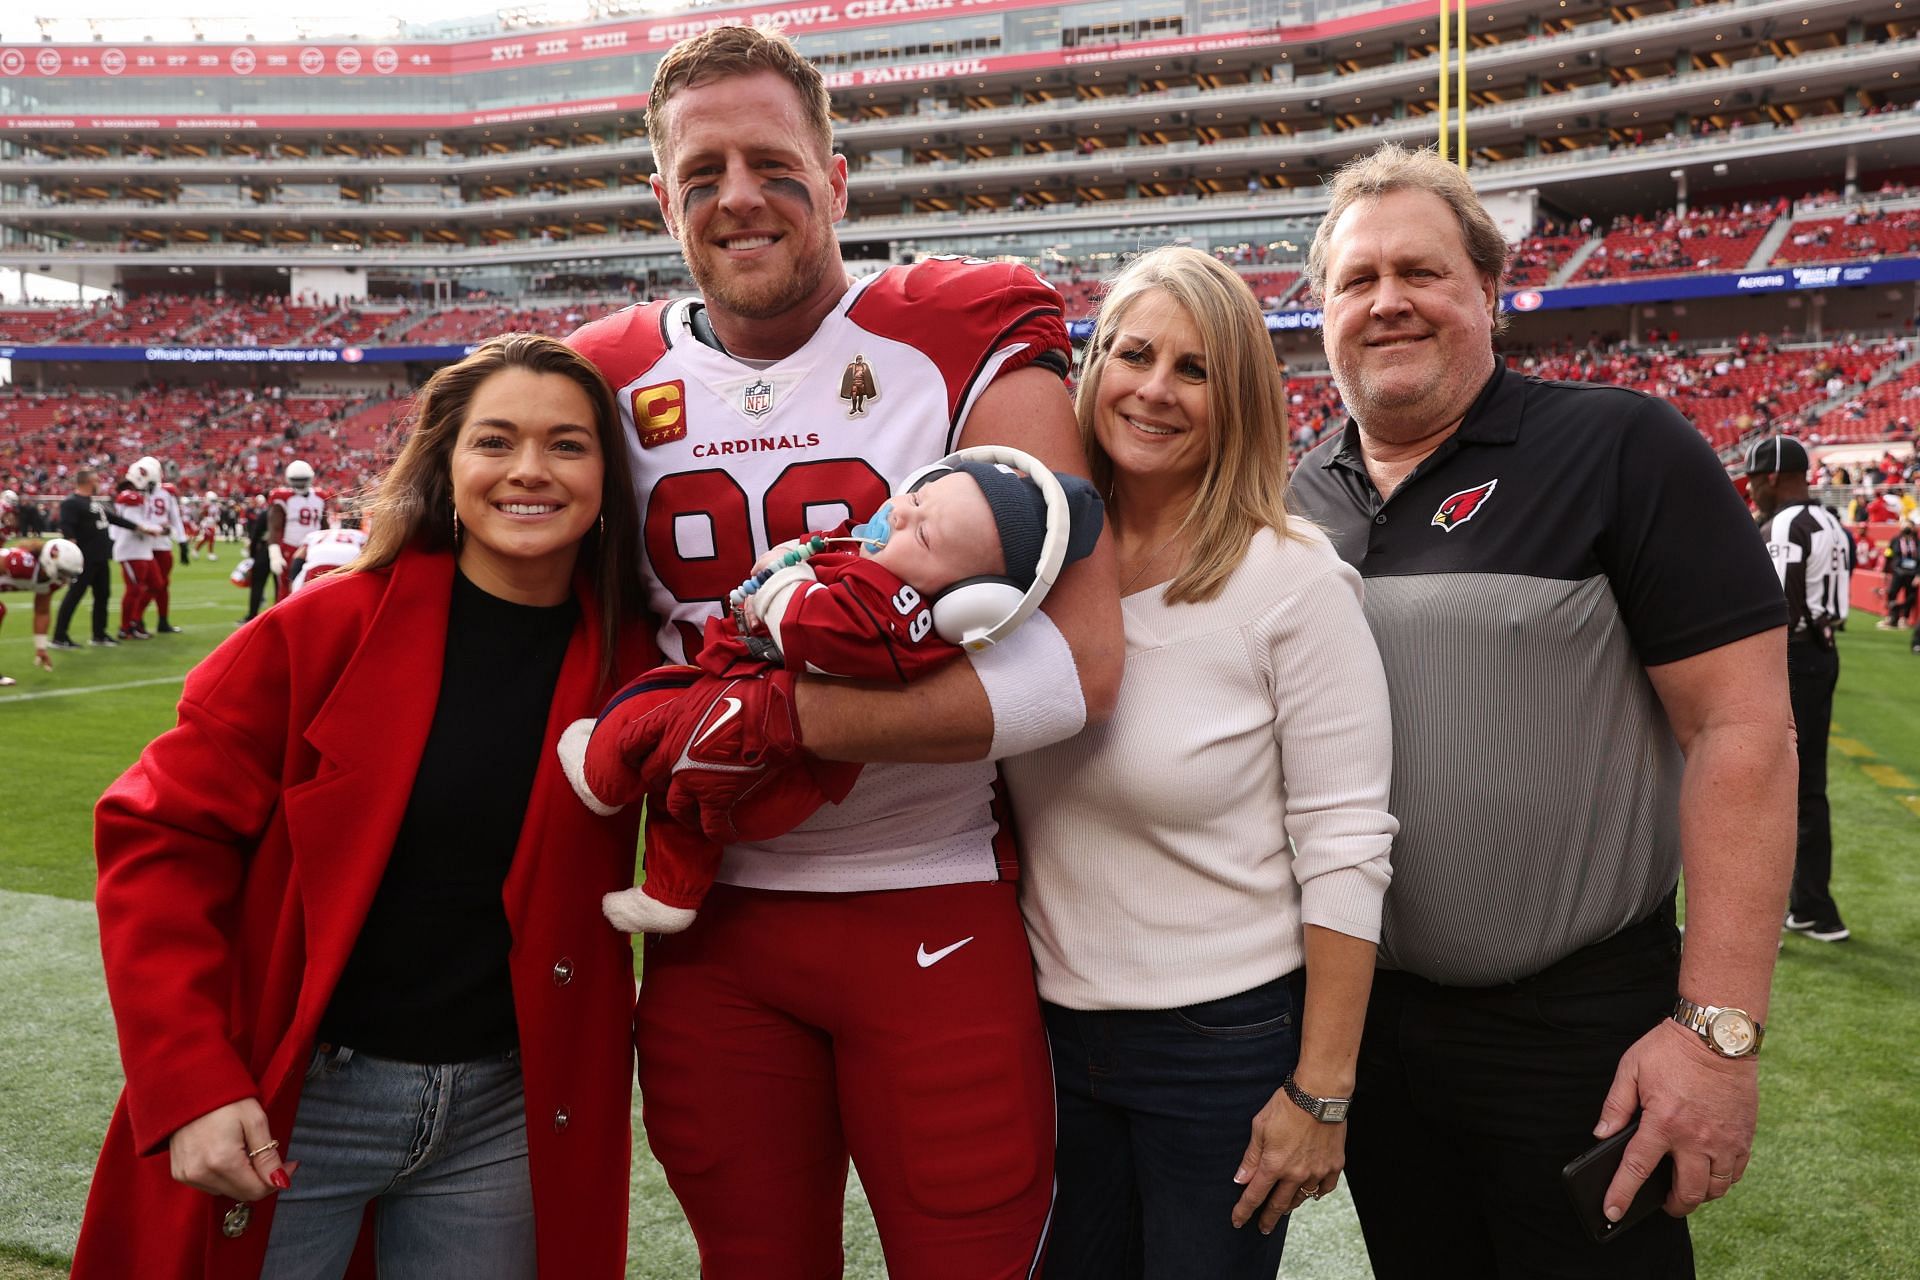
<point x="279" y="1179"/>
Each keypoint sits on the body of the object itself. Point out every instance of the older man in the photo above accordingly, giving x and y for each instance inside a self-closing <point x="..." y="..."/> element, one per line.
<point x="1584" y="644"/>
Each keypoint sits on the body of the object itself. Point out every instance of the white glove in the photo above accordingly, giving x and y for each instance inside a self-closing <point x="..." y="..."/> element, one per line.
<point x="276" y="559"/>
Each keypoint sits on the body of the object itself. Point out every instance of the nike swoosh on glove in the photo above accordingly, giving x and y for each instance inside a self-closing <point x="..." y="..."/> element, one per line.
<point x="736" y="765"/>
<point x="605" y="759"/>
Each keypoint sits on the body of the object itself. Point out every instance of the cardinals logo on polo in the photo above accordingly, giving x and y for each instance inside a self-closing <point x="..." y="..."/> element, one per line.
<point x="858" y="385"/>
<point x="660" y="413"/>
<point x="757" y="400"/>
<point x="1463" y="506"/>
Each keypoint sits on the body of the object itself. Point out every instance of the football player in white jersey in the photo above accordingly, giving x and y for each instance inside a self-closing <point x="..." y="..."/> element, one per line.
<point x="38" y="567"/>
<point x="161" y="507"/>
<point x="325" y="551"/>
<point x="872" y="964"/>
<point x="293" y="512"/>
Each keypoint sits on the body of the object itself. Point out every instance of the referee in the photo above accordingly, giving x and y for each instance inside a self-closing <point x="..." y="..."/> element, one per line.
<point x="1812" y="554"/>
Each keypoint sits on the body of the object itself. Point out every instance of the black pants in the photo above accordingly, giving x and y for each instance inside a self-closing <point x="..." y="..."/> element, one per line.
<point x="258" y="577"/>
<point x="97" y="577"/>
<point x="1471" y="1100"/>
<point x="1812" y="672"/>
<point x="1900" y="599"/>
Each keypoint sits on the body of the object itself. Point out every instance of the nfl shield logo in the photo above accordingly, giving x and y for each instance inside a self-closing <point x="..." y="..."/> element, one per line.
<point x="757" y="400"/>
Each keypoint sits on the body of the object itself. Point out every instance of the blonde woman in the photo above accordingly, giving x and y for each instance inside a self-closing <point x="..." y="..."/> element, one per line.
<point x="1204" y="872"/>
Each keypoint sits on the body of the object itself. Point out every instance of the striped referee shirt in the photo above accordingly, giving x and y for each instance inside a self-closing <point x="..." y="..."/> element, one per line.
<point x="1809" y="550"/>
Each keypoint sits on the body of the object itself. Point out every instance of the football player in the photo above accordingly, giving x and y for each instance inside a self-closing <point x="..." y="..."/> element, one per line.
<point x="133" y="542"/>
<point x="293" y="512"/>
<point x="39" y="567"/>
<point x="753" y="423"/>
<point x="325" y="551"/>
<point x="162" y="508"/>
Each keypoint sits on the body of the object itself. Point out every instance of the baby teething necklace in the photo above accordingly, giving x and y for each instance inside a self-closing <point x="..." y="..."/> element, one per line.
<point x="799" y="554"/>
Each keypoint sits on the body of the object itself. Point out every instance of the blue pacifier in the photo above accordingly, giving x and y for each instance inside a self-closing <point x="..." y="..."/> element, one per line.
<point x="874" y="533"/>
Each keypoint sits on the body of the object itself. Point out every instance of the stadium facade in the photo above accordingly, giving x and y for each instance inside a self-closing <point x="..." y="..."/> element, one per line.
<point x="489" y="152"/>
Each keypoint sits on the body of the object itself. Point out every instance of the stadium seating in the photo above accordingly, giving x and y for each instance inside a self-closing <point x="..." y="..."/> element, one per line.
<point x="1677" y="244"/>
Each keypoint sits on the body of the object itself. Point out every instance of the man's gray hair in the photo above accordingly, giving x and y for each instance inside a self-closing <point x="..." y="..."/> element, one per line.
<point x="1392" y="167"/>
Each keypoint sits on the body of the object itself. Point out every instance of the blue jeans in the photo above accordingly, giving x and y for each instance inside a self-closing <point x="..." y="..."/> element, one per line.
<point x="1155" y="1110"/>
<point x="440" y="1150"/>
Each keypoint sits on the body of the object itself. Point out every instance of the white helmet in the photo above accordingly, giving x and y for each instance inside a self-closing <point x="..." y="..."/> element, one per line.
<point x="60" y="561"/>
<point x="9" y="497"/>
<point x="299" y="475"/>
<point x="144" y="475"/>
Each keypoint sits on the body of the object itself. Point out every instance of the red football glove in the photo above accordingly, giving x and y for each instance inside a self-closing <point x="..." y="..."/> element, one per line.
<point x="737" y="767"/>
<point x="605" y="759"/>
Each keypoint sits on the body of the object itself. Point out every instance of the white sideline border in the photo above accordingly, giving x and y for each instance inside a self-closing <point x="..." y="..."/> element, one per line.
<point x="5" y="698"/>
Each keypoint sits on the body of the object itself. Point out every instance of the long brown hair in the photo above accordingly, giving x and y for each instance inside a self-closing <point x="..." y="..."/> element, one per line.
<point x="1243" y="486"/>
<point x="413" y="504"/>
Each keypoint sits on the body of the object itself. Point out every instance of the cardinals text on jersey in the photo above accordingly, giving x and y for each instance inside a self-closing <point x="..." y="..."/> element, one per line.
<point x="730" y="459"/>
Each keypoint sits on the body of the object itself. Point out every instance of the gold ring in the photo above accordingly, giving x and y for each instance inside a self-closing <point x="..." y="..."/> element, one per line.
<point x="271" y="1144"/>
<point x="1723" y="1177"/>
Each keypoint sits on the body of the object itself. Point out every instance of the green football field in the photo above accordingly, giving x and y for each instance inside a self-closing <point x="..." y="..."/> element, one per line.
<point x="1831" y="1191"/>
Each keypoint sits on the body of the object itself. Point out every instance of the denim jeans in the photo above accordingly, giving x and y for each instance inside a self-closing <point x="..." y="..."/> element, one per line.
<point x="1155" y="1110"/>
<point x="441" y="1152"/>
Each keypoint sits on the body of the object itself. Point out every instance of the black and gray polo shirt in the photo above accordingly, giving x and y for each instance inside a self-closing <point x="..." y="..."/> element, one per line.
<point x="1519" y="583"/>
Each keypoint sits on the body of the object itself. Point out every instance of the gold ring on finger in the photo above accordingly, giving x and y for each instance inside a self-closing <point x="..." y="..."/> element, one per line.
<point x="272" y="1143"/>
<point x="1720" y="1177"/>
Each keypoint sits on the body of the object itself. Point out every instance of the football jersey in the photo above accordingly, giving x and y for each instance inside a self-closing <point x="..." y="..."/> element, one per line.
<point x="162" y="508"/>
<point x="729" y="459"/>
<point x="131" y="544"/>
<point x="18" y="567"/>
<point x="329" y="549"/>
<point x="306" y="514"/>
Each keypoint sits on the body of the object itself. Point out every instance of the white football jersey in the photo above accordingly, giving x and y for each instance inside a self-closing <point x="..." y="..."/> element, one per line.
<point x="729" y="459"/>
<point x="162" y="508"/>
<point x="327" y="550"/>
<point x="306" y="514"/>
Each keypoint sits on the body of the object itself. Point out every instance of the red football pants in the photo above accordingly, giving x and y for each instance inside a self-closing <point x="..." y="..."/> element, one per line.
<point x="163" y="594"/>
<point x="203" y="541"/>
<point x="142" y="582"/>
<point x="783" y="1032"/>
<point x="283" y="582"/>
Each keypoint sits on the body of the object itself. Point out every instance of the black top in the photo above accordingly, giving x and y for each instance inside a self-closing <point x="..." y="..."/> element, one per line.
<point x="84" y="520"/>
<point x="428" y="978"/>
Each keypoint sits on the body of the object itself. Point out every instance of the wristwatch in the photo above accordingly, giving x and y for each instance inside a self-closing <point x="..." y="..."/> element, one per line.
<point x="1325" y="1110"/>
<point x="1731" y="1033"/>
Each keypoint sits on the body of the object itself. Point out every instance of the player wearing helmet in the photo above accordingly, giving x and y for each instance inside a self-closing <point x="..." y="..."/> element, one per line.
<point x="39" y="567"/>
<point x="293" y="512"/>
<point x="133" y="541"/>
<point x="162" y="508"/>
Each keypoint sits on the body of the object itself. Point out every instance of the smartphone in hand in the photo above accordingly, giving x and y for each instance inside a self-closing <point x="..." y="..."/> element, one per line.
<point x="1588" y="1176"/>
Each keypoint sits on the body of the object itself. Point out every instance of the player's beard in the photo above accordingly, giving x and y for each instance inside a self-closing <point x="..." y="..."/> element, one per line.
<point x="763" y="296"/>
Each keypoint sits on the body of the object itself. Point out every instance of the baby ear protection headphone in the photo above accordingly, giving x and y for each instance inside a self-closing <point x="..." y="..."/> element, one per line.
<point x="977" y="613"/>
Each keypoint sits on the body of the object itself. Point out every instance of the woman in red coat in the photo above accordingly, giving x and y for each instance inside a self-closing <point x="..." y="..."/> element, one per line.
<point x="349" y="906"/>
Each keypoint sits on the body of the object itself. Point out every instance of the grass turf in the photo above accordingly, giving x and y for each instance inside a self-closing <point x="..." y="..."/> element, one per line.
<point x="1828" y="1194"/>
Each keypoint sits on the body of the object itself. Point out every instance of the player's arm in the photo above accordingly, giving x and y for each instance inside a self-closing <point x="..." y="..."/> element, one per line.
<point x="948" y="715"/>
<point x="1731" y="715"/>
<point x="42" y="623"/>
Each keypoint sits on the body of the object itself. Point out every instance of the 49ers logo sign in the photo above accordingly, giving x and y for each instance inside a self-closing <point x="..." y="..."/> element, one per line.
<point x="1463" y="506"/>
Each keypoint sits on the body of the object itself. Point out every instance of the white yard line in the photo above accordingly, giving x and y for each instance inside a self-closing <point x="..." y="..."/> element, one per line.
<point x="91" y="688"/>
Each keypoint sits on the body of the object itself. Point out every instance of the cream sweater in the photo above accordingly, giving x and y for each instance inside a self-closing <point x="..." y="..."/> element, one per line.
<point x="1172" y="854"/>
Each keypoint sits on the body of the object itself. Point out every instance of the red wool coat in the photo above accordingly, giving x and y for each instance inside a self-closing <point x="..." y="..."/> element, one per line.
<point x="238" y="858"/>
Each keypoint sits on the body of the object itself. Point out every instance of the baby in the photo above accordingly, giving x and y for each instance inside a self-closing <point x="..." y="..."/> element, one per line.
<point x="927" y="577"/>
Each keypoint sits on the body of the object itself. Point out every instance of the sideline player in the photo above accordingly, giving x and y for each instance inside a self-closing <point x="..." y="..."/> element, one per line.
<point x="133" y="544"/>
<point x="39" y="567"/>
<point x="206" y="526"/>
<point x="815" y="1010"/>
<point x="293" y="512"/>
<point x="162" y="508"/>
<point x="325" y="551"/>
